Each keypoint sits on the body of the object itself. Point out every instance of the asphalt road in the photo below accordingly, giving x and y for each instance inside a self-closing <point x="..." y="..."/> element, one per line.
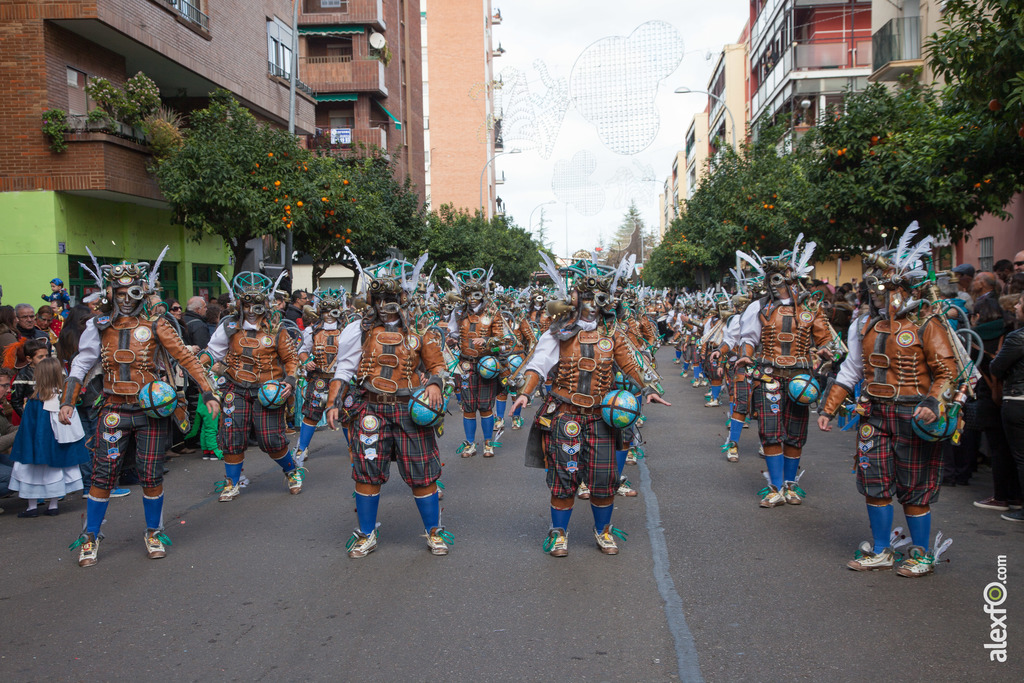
<point x="261" y="588"/>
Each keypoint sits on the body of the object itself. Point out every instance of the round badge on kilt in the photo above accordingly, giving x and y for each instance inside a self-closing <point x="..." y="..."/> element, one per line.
<point x="571" y="428"/>
<point x="143" y="334"/>
<point x="112" y="420"/>
<point x="103" y="320"/>
<point x="866" y="431"/>
<point x="906" y="338"/>
<point x="349" y="401"/>
<point x="229" y="397"/>
<point x="370" y="423"/>
<point x="320" y="384"/>
<point x="605" y="345"/>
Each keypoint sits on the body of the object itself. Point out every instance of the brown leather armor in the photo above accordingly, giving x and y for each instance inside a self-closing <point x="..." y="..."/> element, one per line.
<point x="541" y="318"/>
<point x="789" y="337"/>
<point x="648" y="330"/>
<point x="391" y="358"/>
<point x="902" y="364"/>
<point x="484" y="325"/>
<point x="258" y="356"/>
<point x="325" y="348"/>
<point x="586" y="368"/>
<point x="128" y="349"/>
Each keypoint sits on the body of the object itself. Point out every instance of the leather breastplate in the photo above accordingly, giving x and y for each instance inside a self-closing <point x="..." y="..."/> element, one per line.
<point x="389" y="361"/>
<point x="127" y="351"/>
<point x="586" y="369"/>
<point x="252" y="357"/>
<point x="325" y="348"/>
<point x="541" y="318"/>
<point x="786" y="340"/>
<point x="472" y="327"/>
<point x="895" y="365"/>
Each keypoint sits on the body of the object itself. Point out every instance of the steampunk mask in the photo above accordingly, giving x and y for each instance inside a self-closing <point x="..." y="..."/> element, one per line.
<point x="251" y="292"/>
<point x="331" y="306"/>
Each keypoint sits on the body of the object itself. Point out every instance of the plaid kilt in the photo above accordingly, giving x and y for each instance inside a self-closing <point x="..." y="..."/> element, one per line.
<point x="740" y="394"/>
<point x="591" y="452"/>
<point x="780" y="419"/>
<point x="241" y="410"/>
<point x="314" y="398"/>
<point x="120" y="428"/>
<point x="381" y="433"/>
<point x="478" y="394"/>
<point x="891" y="458"/>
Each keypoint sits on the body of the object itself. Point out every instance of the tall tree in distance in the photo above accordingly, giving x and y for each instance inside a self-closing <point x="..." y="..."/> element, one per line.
<point x="630" y="238"/>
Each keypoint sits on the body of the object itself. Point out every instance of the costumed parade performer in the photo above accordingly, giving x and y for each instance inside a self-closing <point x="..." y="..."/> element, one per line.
<point x="318" y="355"/>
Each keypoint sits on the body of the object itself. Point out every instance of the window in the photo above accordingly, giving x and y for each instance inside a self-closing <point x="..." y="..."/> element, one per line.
<point x="279" y="48"/>
<point x="340" y="50"/>
<point x="331" y="4"/>
<point x="78" y="101"/>
<point x="342" y="118"/>
<point x="985" y="253"/>
<point x="205" y="282"/>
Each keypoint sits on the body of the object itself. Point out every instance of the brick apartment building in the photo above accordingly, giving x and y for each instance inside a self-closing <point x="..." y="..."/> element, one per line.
<point x="366" y="94"/>
<point x="463" y="130"/>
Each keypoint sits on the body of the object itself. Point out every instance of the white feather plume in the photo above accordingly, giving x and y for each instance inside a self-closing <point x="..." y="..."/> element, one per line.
<point x="227" y="286"/>
<point x="359" y="267"/>
<point x="155" y="270"/>
<point x="803" y="266"/>
<point x="916" y="252"/>
<point x="413" y="281"/>
<point x="750" y="259"/>
<point x="552" y="271"/>
<point x="903" y="246"/>
<point x="796" y="252"/>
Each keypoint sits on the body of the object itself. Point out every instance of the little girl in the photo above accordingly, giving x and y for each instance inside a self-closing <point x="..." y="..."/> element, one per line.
<point x="44" y="467"/>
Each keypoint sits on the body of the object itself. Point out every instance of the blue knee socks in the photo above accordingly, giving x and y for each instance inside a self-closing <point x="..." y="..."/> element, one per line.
<point x="286" y="461"/>
<point x="306" y="433"/>
<point x="95" y="511"/>
<point x="430" y="510"/>
<point x="233" y="471"/>
<point x="920" y="527"/>
<point x="499" y="409"/>
<point x="686" y="365"/>
<point x="366" y="511"/>
<point x="602" y="515"/>
<point x="487" y="424"/>
<point x="735" y="429"/>
<point x="344" y="431"/>
<point x="774" y="464"/>
<point x="679" y="354"/>
<point x="154" y="509"/>
<point x="469" y="426"/>
<point x="517" y="412"/>
<point x="790" y="466"/>
<point x="715" y="391"/>
<point x="620" y="461"/>
<point x="560" y="518"/>
<point x="880" y="517"/>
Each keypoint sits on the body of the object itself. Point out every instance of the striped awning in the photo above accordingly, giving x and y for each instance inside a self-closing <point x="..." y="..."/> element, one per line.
<point x="336" y="97"/>
<point x="331" y="30"/>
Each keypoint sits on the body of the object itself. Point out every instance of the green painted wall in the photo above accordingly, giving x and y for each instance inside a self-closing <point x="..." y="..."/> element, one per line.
<point x="34" y="223"/>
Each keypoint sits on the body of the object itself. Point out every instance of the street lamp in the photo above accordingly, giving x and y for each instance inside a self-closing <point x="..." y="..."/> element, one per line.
<point x="530" y="224"/>
<point x="684" y="90"/>
<point x="487" y="213"/>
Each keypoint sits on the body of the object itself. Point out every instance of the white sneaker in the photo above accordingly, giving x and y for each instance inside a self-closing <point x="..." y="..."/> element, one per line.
<point x="229" y="492"/>
<point x="583" y="492"/>
<point x="919" y="563"/>
<point x="606" y="541"/>
<point x="626" y="489"/>
<point x="154" y="541"/>
<point x="771" y="497"/>
<point x="438" y="540"/>
<point x="88" y="549"/>
<point x="866" y="560"/>
<point x="361" y="545"/>
<point x="294" y="480"/>
<point x="466" y="450"/>
<point x="557" y="543"/>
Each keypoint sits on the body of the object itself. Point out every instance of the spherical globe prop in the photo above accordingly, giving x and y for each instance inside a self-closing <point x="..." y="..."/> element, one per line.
<point x="420" y="411"/>
<point x="804" y="389"/>
<point x="620" y="380"/>
<point x="271" y="394"/>
<point x="158" y="399"/>
<point x="940" y="430"/>
<point x="488" y="367"/>
<point x="514" y="361"/>
<point x="620" y="409"/>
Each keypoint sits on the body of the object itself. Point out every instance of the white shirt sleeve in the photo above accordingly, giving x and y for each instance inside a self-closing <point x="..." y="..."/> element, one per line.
<point x="750" y="325"/>
<point x="88" y="352"/>
<point x="731" y="336"/>
<point x="219" y="342"/>
<point x="545" y="355"/>
<point x="852" y="369"/>
<point x="453" y="326"/>
<point x="350" y="351"/>
<point x="307" y="341"/>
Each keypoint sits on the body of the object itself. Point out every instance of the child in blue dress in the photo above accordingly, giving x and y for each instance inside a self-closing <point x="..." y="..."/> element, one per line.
<point x="46" y="463"/>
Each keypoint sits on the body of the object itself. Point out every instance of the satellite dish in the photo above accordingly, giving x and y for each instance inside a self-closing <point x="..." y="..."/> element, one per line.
<point x="377" y="40"/>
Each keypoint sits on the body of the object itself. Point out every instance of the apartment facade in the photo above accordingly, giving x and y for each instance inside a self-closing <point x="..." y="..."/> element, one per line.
<point x="464" y="131"/>
<point x="362" y="61"/>
<point x="804" y="54"/>
<point x="98" y="192"/>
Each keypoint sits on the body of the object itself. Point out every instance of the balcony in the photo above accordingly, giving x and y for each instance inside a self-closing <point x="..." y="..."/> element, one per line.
<point x="278" y="72"/>
<point x="810" y="56"/>
<point x="370" y="12"/>
<point x="189" y="11"/>
<point x="341" y="140"/>
<point x="897" y="49"/>
<point x="344" y="74"/>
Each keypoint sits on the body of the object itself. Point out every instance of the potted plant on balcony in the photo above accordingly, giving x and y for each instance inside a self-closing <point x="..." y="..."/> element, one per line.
<point x="122" y="111"/>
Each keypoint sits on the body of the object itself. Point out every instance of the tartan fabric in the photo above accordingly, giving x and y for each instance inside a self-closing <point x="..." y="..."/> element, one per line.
<point x="382" y="433"/>
<point x="592" y="449"/>
<point x="314" y="398"/>
<point x="780" y="420"/>
<point x="478" y="394"/>
<point x="741" y="394"/>
<point x="241" y="411"/>
<point x="121" y="430"/>
<point x="891" y="458"/>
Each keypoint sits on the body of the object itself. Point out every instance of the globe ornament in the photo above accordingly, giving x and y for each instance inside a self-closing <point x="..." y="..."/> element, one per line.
<point x="488" y="367"/>
<point x="620" y="409"/>
<point x="514" y="362"/>
<point x="158" y="399"/>
<point x="271" y="394"/>
<point x="804" y="389"/>
<point x="940" y="430"/>
<point x="420" y="411"/>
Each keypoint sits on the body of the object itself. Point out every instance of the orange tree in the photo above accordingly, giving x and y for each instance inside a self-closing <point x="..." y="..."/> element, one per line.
<point x="218" y="181"/>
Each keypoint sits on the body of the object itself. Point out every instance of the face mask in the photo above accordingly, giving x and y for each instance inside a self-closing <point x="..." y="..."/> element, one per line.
<point x="253" y="312"/>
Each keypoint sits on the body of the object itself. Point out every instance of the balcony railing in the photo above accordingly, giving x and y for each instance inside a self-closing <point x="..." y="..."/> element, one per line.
<point x="343" y="74"/>
<point x="810" y="56"/>
<point x="343" y="12"/>
<point x="898" y="41"/>
<point x="189" y="11"/>
<point x="279" y="72"/>
<point x="346" y="139"/>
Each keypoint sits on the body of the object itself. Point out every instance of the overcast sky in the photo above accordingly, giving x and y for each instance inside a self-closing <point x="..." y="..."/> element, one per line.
<point x="557" y="32"/>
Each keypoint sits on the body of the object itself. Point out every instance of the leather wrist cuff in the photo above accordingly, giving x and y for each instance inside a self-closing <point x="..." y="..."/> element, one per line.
<point x="931" y="403"/>
<point x="290" y="381"/>
<point x="72" y="388"/>
<point x="208" y="396"/>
